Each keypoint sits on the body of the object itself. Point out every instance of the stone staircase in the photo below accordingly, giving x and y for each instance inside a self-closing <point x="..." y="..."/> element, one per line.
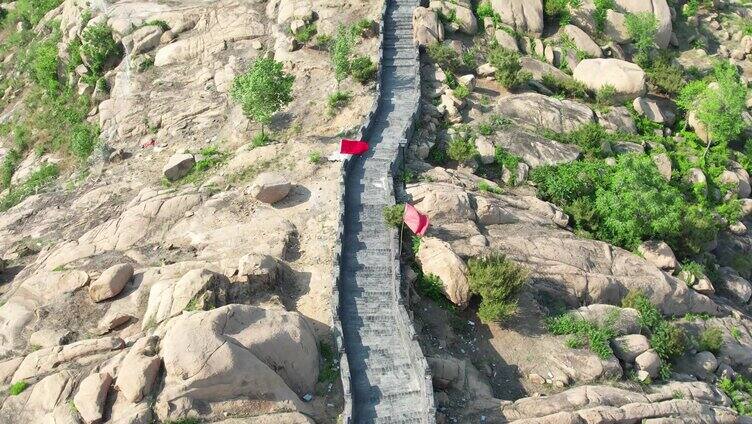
<point x="387" y="372"/>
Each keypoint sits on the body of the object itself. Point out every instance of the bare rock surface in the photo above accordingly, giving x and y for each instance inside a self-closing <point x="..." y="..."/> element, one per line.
<point x="536" y="111"/>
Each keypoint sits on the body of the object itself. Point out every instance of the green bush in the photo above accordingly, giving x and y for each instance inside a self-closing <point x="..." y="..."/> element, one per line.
<point x="720" y="108"/>
<point x="393" y="215"/>
<point x="306" y="33"/>
<point x="642" y="28"/>
<point x="314" y="157"/>
<point x="711" y="339"/>
<point x="44" y="65"/>
<point x="509" y="71"/>
<point x="484" y="186"/>
<point x="341" y="48"/>
<point x="485" y="129"/>
<point x="30" y="11"/>
<point x="444" y="56"/>
<point x="8" y="168"/>
<point x="599" y="15"/>
<point x="83" y="139"/>
<point x="507" y="161"/>
<point x="558" y="10"/>
<point x="498" y="281"/>
<point x="98" y="46"/>
<point x="739" y="391"/>
<point x="362" y="69"/>
<point x="589" y="138"/>
<point x="263" y="90"/>
<point x="666" y="77"/>
<point x="17" y="388"/>
<point x="565" y="184"/>
<point x="361" y="27"/>
<point x="584" y="333"/>
<point x="461" y="92"/>
<point x="566" y="87"/>
<point x="329" y="370"/>
<point x="338" y="100"/>
<point x="260" y="139"/>
<point x="38" y="179"/>
<point x="461" y="149"/>
<point x="605" y="95"/>
<point x="668" y="340"/>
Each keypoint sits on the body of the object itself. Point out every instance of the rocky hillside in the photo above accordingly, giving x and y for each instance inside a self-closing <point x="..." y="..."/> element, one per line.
<point x="166" y="244"/>
<point x="585" y="167"/>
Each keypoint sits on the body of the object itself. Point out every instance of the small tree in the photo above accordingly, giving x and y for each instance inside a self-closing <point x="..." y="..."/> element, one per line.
<point x="642" y="27"/>
<point x="263" y="90"/>
<point x="341" y="49"/>
<point x="498" y="281"/>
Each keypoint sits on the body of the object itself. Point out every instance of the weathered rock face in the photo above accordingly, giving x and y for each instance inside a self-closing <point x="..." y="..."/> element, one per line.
<point x="533" y="149"/>
<point x="627" y="78"/>
<point x="623" y="320"/>
<point x="734" y="284"/>
<point x="238" y="354"/>
<point x="437" y="258"/>
<point x="138" y="370"/>
<point x="583" y="41"/>
<point x="536" y="111"/>
<point x="42" y="402"/>
<point x="91" y="395"/>
<point x="522" y="15"/>
<point x="654" y="109"/>
<point x="179" y="165"/>
<point x="659" y="254"/>
<point x="617" y="119"/>
<point x="629" y="347"/>
<point x="45" y="361"/>
<point x="427" y="28"/>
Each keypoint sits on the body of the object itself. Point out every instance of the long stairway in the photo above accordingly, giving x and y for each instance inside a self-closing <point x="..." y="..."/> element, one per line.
<point x="386" y="381"/>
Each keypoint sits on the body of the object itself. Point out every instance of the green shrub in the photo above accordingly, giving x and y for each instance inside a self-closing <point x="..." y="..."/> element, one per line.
<point x="361" y="27"/>
<point x="74" y="55"/>
<point x="509" y="71"/>
<point x="17" y="388"/>
<point x="98" y="46"/>
<point x="589" y="138"/>
<point x="338" y="100"/>
<point x="83" y="139"/>
<point x="37" y="180"/>
<point x="558" y="10"/>
<point x="485" y="129"/>
<point x="720" y="109"/>
<point x="461" y="92"/>
<point x="362" y="69"/>
<point x="324" y="41"/>
<point x="393" y="215"/>
<point x="507" y="161"/>
<point x="314" y="157"/>
<point x="306" y="33"/>
<point x="584" y="333"/>
<point x="565" y="184"/>
<point x="461" y="149"/>
<point x="642" y="28"/>
<point x="263" y="90"/>
<point x="605" y="95"/>
<point x="567" y="87"/>
<point x="599" y="15"/>
<point x="498" y="281"/>
<point x="164" y="26"/>
<point x="8" y="168"/>
<point x="44" y="64"/>
<point x="739" y="391"/>
<point x="30" y="11"/>
<point x="329" y="370"/>
<point x="444" y="56"/>
<point x="260" y="139"/>
<point x="668" y="340"/>
<point x="341" y="47"/>
<point x="484" y="186"/>
<point x="666" y="77"/>
<point x="711" y="339"/>
<point x="431" y="287"/>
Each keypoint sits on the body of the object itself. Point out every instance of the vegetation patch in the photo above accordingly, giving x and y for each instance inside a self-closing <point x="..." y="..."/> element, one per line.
<point x="393" y="215"/>
<point x="329" y="372"/>
<point x="498" y="281"/>
<point x="711" y="340"/>
<point x="263" y="90"/>
<point x="17" y="388"/>
<point x="509" y="72"/>
<point x="739" y="390"/>
<point x="36" y="181"/>
<point x="584" y="333"/>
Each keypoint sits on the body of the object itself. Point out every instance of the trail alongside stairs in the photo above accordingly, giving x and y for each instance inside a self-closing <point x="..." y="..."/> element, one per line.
<point x="388" y="376"/>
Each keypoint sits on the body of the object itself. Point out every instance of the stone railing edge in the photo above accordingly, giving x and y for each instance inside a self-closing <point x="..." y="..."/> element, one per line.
<point x="344" y="168"/>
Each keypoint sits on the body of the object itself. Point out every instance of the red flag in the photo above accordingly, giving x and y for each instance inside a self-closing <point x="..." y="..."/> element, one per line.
<point x="353" y="147"/>
<point x="415" y="220"/>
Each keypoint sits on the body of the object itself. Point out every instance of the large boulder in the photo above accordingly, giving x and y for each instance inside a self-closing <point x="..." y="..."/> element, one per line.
<point x="659" y="254"/>
<point x="627" y="78"/>
<point x="443" y="203"/>
<point x="236" y="357"/>
<point x="617" y="119"/>
<point x="583" y="41"/>
<point x="427" y="28"/>
<point x="522" y="15"/>
<point x="139" y="368"/>
<point x="462" y="10"/>
<point x="655" y="109"/>
<point x="91" y="396"/>
<point x="270" y="187"/>
<point x="657" y="7"/>
<point x="533" y="149"/>
<point x="437" y="258"/>
<point x="111" y="282"/>
<point x="649" y="362"/>
<point x="734" y="284"/>
<point x="178" y="166"/>
<point x="536" y="111"/>
<point x="629" y="347"/>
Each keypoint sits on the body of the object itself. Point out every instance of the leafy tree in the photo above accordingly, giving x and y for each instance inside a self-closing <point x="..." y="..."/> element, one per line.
<point x="642" y="28"/>
<point x="340" y="50"/>
<point x="263" y="90"/>
<point x="44" y="64"/>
